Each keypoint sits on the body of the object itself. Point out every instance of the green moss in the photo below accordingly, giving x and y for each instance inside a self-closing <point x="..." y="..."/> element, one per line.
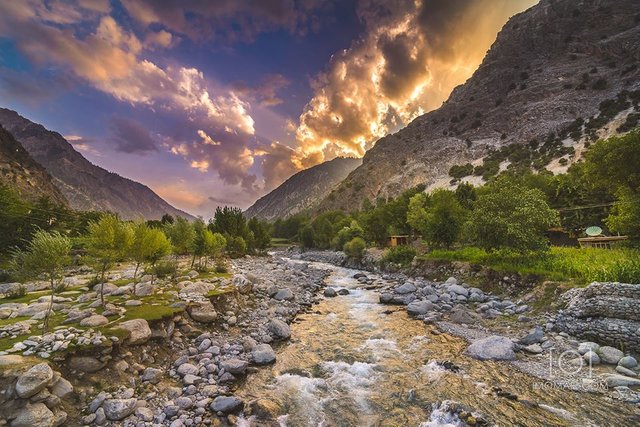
<point x="31" y="296"/>
<point x="150" y="312"/>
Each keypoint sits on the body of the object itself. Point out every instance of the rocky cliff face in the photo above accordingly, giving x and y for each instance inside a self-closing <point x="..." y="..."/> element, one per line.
<point x="303" y="190"/>
<point x="19" y="171"/>
<point x="85" y="185"/>
<point x="545" y="78"/>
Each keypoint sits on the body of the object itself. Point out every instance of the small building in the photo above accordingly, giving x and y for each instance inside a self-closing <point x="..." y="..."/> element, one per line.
<point x="601" y="242"/>
<point x="398" y="240"/>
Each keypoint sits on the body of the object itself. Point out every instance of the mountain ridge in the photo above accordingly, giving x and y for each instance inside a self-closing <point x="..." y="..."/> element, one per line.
<point x="86" y="186"/>
<point x="550" y="65"/>
<point x="303" y="190"/>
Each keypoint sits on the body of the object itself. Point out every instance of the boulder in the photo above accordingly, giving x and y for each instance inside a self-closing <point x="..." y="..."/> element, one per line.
<point x="144" y="289"/>
<point x="188" y="368"/>
<point x="610" y="355"/>
<point x="460" y="315"/>
<point x="202" y="312"/>
<point x="226" y="404"/>
<point x="616" y="380"/>
<point x="283" y="294"/>
<point x="626" y="372"/>
<point x="152" y="375"/>
<point x="534" y="336"/>
<point x="458" y="290"/>
<point x="61" y="388"/>
<point x="407" y="288"/>
<point x="279" y="329"/>
<point x="494" y="347"/>
<point x="263" y="354"/>
<point x="234" y="366"/>
<point x="628" y="362"/>
<point x="417" y="308"/>
<point x="93" y="321"/>
<point x="144" y="414"/>
<point x="139" y="331"/>
<point x="118" y="409"/>
<point x="85" y="364"/>
<point x="34" y="380"/>
<point x="591" y="357"/>
<point x="330" y="292"/>
<point x="584" y="347"/>
<point x="34" y="415"/>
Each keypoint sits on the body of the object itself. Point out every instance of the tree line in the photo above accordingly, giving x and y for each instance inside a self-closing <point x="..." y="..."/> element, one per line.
<point x="513" y="210"/>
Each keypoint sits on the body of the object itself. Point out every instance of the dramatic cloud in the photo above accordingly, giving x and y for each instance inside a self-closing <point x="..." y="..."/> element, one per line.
<point x="227" y="20"/>
<point x="130" y="136"/>
<point x="266" y="92"/>
<point x="413" y="53"/>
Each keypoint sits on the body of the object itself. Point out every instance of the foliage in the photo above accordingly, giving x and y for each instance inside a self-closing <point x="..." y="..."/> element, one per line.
<point x="402" y="255"/>
<point x="47" y="253"/>
<point x="439" y="218"/>
<point x="355" y="248"/>
<point x="307" y="236"/>
<point x="165" y="269"/>
<point x="466" y="195"/>
<point x="236" y="247"/>
<point x="229" y="221"/>
<point x="182" y="236"/>
<point x="348" y="233"/>
<point x="460" y="171"/>
<point x="108" y="241"/>
<point x="625" y="215"/>
<point x="613" y="163"/>
<point x="149" y="245"/>
<point x="559" y="263"/>
<point x="288" y="228"/>
<point x="261" y="233"/>
<point x="509" y="215"/>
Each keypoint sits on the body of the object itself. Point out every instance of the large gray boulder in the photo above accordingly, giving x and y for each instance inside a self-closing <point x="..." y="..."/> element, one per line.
<point x="417" y="308"/>
<point x="494" y="347"/>
<point x="203" y="312"/>
<point x="226" y="404"/>
<point x="279" y="329"/>
<point x="139" y="331"/>
<point x="34" y="415"/>
<point x="610" y="355"/>
<point x="407" y="288"/>
<point x="61" y="388"/>
<point x="34" y="380"/>
<point x="234" y="366"/>
<point x="85" y="364"/>
<point x="93" y="321"/>
<point x="458" y="290"/>
<point x="534" y="336"/>
<point x="621" y="381"/>
<point x="628" y="362"/>
<point x="263" y="354"/>
<point x="283" y="294"/>
<point x="118" y="409"/>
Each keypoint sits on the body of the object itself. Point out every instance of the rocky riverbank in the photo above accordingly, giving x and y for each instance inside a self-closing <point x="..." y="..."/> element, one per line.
<point x="177" y="370"/>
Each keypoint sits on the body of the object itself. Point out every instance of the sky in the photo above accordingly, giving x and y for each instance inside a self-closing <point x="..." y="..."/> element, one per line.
<point x="218" y="102"/>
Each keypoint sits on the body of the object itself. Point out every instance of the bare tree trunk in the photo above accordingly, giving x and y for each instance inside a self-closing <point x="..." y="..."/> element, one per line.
<point x="102" y="286"/>
<point x="135" y="273"/>
<point x="45" y="324"/>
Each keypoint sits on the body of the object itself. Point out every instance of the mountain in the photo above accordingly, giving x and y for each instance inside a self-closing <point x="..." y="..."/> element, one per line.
<point x="559" y="75"/>
<point x="303" y="190"/>
<point x="19" y="171"/>
<point x="85" y="185"/>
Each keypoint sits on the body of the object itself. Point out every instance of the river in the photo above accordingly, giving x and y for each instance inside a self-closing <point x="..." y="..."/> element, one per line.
<point x="355" y="362"/>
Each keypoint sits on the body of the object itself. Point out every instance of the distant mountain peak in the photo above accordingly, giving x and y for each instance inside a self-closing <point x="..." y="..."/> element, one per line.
<point x="86" y="186"/>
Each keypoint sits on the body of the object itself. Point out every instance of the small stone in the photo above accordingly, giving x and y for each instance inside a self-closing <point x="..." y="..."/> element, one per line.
<point x="145" y="414"/>
<point x="234" y="366"/>
<point x="330" y="292"/>
<point x="626" y="372"/>
<point x="35" y="415"/>
<point x="279" y="329"/>
<point x="283" y="294"/>
<point x="533" y="349"/>
<point x="118" y="409"/>
<point x="628" y="362"/>
<point x="591" y="357"/>
<point x="586" y="346"/>
<point x="263" y="354"/>
<point x="492" y="348"/>
<point x="152" y="375"/>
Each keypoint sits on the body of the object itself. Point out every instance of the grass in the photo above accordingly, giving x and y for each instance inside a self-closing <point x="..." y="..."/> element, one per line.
<point x="559" y="263"/>
<point x="150" y="312"/>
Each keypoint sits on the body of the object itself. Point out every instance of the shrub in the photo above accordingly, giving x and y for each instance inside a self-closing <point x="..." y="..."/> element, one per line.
<point x="16" y="293"/>
<point x="402" y="255"/>
<point x="460" y="171"/>
<point x="355" y="248"/>
<point x="165" y="269"/>
<point x="236" y="246"/>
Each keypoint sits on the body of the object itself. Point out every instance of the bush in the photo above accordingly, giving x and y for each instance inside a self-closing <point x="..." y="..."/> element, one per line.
<point x="165" y="269"/>
<point x="402" y="255"/>
<point x="460" y="171"/>
<point x="16" y="293"/>
<point x="236" y="247"/>
<point x="221" y="266"/>
<point x="355" y="248"/>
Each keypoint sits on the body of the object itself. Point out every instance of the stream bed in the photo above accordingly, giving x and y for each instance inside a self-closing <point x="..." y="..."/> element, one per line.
<point x="354" y="362"/>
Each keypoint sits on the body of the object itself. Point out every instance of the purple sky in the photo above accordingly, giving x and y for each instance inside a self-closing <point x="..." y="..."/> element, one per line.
<point x="217" y="102"/>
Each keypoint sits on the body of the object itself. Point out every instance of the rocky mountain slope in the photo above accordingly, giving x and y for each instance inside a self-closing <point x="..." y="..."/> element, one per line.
<point x="303" y="190"/>
<point x="560" y="73"/>
<point x="85" y="185"/>
<point x="18" y="170"/>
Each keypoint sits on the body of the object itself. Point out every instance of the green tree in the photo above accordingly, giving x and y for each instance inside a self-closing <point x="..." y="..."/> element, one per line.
<point x="323" y="232"/>
<point x="625" y="215"/>
<point x="346" y="234"/>
<point x="182" y="235"/>
<point x="216" y="245"/>
<point x="355" y="248"/>
<point x="149" y="245"/>
<point x="199" y="240"/>
<point x="261" y="233"/>
<point x="613" y="162"/>
<point x="439" y="218"/>
<point x="236" y="246"/>
<point x="307" y="237"/>
<point x="48" y="254"/>
<point x="108" y="240"/>
<point x="14" y="225"/>
<point x="466" y="195"/>
<point x="509" y="215"/>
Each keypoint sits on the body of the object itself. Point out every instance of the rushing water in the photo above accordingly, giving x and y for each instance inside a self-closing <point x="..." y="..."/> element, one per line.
<point x="354" y="362"/>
